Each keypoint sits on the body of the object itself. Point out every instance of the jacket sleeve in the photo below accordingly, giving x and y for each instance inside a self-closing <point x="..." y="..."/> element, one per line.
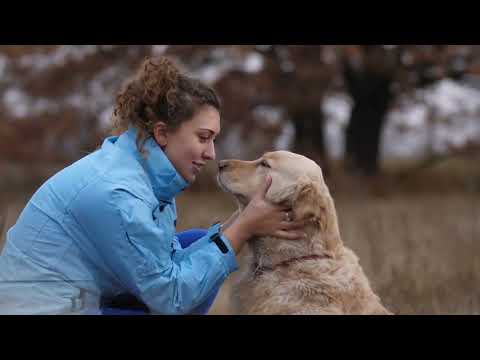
<point x="140" y="255"/>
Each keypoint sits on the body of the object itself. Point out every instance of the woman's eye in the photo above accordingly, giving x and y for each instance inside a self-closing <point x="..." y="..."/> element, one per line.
<point x="203" y="139"/>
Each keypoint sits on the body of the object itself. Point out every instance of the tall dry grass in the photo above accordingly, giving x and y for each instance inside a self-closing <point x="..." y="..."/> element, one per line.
<point x="422" y="254"/>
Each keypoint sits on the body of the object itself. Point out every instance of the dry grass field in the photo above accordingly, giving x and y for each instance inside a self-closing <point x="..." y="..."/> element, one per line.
<point x="418" y="238"/>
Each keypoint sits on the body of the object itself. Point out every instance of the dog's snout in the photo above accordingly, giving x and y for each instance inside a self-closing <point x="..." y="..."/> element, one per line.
<point x="222" y="165"/>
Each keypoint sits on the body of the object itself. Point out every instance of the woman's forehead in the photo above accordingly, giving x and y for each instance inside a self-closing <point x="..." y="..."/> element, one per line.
<point x="206" y="119"/>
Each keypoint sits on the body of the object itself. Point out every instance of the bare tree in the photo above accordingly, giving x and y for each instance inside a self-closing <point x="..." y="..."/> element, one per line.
<point x="376" y="74"/>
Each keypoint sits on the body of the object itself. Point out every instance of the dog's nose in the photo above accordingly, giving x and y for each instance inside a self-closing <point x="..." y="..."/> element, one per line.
<point x="222" y="165"/>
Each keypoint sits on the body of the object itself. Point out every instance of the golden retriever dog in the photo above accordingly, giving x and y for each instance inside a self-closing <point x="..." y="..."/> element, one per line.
<point x="318" y="275"/>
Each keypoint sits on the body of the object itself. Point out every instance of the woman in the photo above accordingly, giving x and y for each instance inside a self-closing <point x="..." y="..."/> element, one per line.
<point x="105" y="226"/>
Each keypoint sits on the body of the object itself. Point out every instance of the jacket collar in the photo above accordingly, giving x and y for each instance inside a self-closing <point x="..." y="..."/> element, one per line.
<point x="166" y="181"/>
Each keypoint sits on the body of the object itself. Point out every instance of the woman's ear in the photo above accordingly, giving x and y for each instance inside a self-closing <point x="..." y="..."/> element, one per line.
<point x="160" y="133"/>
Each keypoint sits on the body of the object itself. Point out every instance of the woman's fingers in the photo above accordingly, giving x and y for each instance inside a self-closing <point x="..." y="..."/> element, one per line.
<point x="290" y="235"/>
<point x="293" y="225"/>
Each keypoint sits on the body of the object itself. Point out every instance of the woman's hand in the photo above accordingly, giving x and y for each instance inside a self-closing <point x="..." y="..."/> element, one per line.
<point x="261" y="218"/>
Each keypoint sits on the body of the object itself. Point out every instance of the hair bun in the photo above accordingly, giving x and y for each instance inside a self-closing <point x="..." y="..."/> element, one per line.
<point x="157" y="76"/>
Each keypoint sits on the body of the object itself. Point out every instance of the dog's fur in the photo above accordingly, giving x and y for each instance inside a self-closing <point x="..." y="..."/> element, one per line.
<point x="333" y="283"/>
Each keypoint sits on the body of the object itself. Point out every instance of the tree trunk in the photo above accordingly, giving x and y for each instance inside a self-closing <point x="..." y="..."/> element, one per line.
<point x="370" y="91"/>
<point x="309" y="139"/>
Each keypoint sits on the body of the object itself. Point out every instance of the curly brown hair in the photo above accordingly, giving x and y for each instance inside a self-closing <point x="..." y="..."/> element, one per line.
<point x="159" y="92"/>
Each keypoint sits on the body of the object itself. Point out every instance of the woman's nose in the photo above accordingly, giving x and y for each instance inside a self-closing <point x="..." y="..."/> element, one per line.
<point x="210" y="152"/>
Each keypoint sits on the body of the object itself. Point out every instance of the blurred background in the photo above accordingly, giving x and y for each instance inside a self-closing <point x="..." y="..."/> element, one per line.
<point x="395" y="128"/>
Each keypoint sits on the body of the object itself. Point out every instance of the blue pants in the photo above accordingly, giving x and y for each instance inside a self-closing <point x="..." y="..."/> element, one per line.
<point x="186" y="238"/>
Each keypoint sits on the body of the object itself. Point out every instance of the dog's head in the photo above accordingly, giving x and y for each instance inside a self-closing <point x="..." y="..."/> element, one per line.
<point x="297" y="182"/>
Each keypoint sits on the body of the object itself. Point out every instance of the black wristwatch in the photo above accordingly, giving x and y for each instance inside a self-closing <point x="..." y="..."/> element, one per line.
<point x="217" y="238"/>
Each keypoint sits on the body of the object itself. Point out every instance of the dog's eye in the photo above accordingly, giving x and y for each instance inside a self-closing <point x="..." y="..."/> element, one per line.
<point x="265" y="164"/>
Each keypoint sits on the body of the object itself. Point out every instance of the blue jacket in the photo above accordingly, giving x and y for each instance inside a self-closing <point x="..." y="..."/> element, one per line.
<point x="103" y="226"/>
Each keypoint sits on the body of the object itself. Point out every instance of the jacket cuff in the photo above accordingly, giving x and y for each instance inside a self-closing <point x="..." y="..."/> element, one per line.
<point x="216" y="237"/>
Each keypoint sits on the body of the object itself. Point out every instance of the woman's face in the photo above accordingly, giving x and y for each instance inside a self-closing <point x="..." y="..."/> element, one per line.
<point x="190" y="146"/>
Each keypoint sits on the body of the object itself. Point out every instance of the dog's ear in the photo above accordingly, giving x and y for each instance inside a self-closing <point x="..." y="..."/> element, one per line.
<point x="315" y="204"/>
<point x="282" y="194"/>
<point x="302" y="196"/>
<point x="308" y="202"/>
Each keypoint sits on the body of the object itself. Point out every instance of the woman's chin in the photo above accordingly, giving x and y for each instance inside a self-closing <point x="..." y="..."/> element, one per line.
<point x="190" y="178"/>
